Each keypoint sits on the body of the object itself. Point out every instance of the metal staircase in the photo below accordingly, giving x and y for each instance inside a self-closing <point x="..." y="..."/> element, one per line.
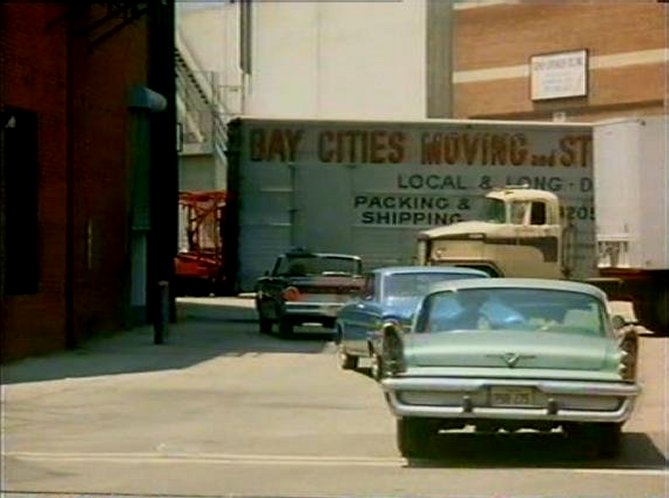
<point x="202" y="112"/>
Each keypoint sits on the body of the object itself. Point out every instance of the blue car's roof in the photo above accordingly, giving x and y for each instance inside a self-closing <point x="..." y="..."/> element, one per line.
<point x="448" y="270"/>
<point x="293" y="254"/>
<point x="515" y="283"/>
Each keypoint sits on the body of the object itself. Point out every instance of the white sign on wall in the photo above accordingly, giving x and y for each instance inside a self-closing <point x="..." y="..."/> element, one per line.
<point x="559" y="75"/>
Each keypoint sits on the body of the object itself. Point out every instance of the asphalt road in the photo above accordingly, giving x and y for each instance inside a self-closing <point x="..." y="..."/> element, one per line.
<point x="220" y="410"/>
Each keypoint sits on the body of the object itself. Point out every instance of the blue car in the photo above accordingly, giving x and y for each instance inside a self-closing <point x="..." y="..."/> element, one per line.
<point x="390" y="293"/>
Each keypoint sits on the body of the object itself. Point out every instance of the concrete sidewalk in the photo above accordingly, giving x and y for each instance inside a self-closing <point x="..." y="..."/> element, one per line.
<point x="203" y="330"/>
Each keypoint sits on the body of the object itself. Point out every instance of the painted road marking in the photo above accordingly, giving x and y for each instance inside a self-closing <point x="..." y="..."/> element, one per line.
<point x="243" y="459"/>
<point x="219" y="458"/>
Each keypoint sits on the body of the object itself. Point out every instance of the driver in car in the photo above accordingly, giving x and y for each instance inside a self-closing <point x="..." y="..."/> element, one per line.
<point x="471" y="316"/>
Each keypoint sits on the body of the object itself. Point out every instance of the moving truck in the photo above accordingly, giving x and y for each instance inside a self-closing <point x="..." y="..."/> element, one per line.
<point x="369" y="187"/>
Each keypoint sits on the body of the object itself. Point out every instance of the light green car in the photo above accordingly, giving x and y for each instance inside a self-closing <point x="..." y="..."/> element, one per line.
<point x="511" y="354"/>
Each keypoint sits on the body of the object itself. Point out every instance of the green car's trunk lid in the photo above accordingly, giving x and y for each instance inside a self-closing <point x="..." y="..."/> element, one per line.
<point x="507" y="349"/>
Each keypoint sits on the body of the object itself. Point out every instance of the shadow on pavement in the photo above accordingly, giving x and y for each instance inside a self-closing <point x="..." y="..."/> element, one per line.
<point x="531" y="449"/>
<point x="206" y="328"/>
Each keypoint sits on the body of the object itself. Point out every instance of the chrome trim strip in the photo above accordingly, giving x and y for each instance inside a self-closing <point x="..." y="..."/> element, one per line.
<point x="324" y="309"/>
<point x="394" y="385"/>
<point x="545" y="386"/>
<point x="535" y="414"/>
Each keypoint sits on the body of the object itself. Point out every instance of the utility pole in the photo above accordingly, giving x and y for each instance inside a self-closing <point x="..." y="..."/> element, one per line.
<point x="164" y="162"/>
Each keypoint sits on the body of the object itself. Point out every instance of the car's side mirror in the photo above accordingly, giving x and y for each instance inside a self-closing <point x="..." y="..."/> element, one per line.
<point x="618" y="322"/>
<point x="391" y="326"/>
<point x="625" y="312"/>
<point x="626" y="330"/>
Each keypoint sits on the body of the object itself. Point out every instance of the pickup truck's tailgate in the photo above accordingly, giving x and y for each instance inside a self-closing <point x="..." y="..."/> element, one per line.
<point x="326" y="289"/>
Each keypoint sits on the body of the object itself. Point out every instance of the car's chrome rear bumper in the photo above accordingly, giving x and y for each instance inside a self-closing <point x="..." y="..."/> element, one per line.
<point x="312" y="309"/>
<point x="470" y="399"/>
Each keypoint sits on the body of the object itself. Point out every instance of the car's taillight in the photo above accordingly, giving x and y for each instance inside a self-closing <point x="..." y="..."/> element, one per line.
<point x="291" y="294"/>
<point x="393" y="348"/>
<point x="629" y="346"/>
<point x="626" y="366"/>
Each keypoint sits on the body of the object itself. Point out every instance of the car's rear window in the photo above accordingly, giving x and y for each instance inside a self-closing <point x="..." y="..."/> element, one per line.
<point x="526" y="309"/>
<point x="317" y="265"/>
<point x="416" y="284"/>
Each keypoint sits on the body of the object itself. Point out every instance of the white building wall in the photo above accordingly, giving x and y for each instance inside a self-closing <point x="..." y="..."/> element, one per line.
<point x="338" y="60"/>
<point x="330" y="60"/>
<point x="209" y="33"/>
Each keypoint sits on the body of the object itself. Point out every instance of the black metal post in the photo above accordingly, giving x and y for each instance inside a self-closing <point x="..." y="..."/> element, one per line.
<point x="160" y="324"/>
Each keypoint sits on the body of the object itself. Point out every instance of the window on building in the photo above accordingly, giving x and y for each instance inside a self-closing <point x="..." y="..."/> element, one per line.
<point x="20" y="176"/>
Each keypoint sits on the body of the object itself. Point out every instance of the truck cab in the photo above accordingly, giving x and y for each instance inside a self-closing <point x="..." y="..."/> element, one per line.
<point x="519" y="234"/>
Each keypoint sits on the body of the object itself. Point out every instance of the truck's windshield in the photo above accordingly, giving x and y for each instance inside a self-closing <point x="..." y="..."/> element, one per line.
<point x="494" y="210"/>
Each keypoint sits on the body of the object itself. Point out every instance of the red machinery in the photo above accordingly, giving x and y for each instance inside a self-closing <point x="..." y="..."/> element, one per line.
<point x="199" y="264"/>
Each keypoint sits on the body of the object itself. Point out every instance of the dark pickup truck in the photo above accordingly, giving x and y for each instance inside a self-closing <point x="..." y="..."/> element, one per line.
<point x="306" y="287"/>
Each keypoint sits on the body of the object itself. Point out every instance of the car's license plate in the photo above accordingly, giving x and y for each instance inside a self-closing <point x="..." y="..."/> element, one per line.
<point x="511" y="396"/>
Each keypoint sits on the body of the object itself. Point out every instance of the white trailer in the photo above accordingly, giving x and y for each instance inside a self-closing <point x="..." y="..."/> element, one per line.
<point x="631" y="172"/>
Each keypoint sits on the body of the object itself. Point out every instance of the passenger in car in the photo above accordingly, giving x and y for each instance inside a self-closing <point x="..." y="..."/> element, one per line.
<point x="470" y="316"/>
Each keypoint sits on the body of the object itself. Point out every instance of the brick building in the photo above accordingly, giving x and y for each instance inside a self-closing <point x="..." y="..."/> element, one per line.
<point x="499" y="48"/>
<point x="84" y="162"/>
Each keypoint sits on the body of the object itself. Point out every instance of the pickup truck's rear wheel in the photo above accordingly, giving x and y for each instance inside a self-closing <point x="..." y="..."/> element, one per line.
<point x="265" y="325"/>
<point x="415" y="436"/>
<point x="285" y="327"/>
